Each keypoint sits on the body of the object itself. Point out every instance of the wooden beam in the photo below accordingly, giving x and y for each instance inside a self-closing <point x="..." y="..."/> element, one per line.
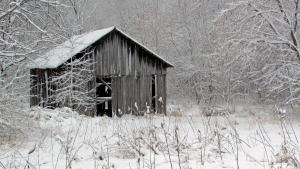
<point x="105" y="83"/>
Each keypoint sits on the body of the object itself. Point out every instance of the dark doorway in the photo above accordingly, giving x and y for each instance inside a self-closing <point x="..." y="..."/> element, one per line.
<point x="104" y="96"/>
<point x="153" y="104"/>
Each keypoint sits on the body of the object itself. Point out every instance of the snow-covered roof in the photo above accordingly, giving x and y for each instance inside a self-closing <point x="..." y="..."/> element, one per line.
<point x="65" y="51"/>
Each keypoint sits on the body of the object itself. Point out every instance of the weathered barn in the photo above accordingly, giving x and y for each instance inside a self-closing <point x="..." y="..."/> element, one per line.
<point x="128" y="77"/>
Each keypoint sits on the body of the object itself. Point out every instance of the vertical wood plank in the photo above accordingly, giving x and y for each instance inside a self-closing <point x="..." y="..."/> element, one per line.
<point x="114" y="60"/>
<point x="120" y="47"/>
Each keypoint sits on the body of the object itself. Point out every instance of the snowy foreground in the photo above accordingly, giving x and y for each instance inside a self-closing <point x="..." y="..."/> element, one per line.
<point x="238" y="140"/>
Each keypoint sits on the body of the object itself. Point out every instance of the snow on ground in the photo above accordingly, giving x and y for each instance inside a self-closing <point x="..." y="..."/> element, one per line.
<point x="236" y="140"/>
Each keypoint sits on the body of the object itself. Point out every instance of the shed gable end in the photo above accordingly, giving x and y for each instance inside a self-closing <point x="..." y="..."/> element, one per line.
<point x="117" y="55"/>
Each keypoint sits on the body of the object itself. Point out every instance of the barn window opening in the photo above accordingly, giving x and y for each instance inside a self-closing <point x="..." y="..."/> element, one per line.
<point x="104" y="96"/>
<point x="153" y="81"/>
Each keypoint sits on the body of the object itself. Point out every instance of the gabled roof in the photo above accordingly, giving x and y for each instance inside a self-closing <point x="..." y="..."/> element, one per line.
<point x="77" y="44"/>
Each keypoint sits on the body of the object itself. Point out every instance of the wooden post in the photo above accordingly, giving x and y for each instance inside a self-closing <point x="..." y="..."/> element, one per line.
<point x="46" y="86"/>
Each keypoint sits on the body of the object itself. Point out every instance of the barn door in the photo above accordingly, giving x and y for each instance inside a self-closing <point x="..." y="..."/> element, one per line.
<point x="104" y="96"/>
<point x="154" y="93"/>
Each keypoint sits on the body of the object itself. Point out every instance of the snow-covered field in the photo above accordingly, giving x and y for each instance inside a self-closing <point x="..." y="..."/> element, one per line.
<point x="242" y="140"/>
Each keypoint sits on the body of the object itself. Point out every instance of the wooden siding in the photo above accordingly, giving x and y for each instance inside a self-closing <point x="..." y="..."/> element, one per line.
<point x="117" y="56"/>
<point x="40" y="89"/>
<point x="131" y="69"/>
<point x="133" y="95"/>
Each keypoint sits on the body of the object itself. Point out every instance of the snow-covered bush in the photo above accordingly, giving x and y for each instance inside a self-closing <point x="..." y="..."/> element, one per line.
<point x="14" y="120"/>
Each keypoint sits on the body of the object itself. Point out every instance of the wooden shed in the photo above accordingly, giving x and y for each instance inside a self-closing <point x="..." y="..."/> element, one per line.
<point x="127" y="78"/>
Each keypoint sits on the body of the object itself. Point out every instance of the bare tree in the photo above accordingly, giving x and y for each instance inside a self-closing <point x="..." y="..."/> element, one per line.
<point x="262" y="39"/>
<point x="75" y="85"/>
<point x="27" y="28"/>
